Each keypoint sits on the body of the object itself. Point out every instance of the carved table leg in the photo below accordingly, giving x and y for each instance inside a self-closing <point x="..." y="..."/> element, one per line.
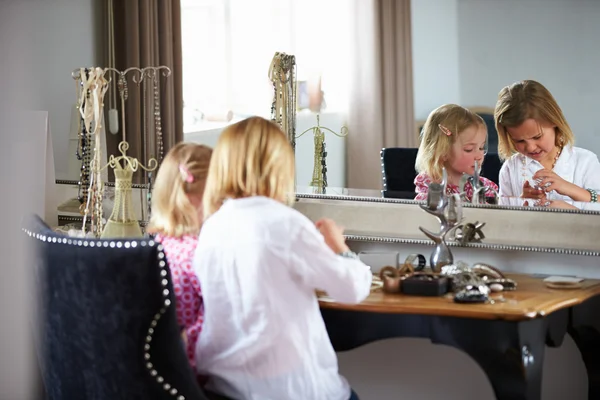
<point x="510" y="353"/>
<point x="584" y="328"/>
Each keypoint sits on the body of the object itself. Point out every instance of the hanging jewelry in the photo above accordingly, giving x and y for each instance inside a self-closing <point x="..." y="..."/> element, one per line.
<point x="282" y="73"/>
<point x="319" y="177"/>
<point x="157" y="120"/>
<point x="93" y="89"/>
<point x="83" y="153"/>
<point x="113" y="114"/>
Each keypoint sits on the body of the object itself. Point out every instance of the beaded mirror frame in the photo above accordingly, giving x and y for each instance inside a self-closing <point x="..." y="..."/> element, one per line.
<point x="506" y="229"/>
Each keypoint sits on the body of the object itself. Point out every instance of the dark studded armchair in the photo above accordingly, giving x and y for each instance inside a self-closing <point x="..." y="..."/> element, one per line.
<point x="107" y="327"/>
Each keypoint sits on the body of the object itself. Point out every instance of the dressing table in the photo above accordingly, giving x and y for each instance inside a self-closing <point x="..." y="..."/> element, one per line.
<point x="507" y="339"/>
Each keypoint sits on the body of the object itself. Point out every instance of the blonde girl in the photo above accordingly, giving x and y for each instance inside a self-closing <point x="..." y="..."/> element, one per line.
<point x="453" y="138"/>
<point x="537" y="143"/>
<point x="260" y="261"/>
<point x="176" y="220"/>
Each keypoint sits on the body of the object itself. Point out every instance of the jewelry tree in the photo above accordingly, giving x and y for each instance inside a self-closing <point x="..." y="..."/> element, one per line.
<point x="92" y="87"/>
<point x="122" y="222"/>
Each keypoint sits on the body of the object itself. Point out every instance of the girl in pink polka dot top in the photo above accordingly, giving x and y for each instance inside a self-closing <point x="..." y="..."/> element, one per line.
<point x="176" y="220"/>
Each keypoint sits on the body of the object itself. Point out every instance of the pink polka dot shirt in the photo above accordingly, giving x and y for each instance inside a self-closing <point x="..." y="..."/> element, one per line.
<point x="190" y="308"/>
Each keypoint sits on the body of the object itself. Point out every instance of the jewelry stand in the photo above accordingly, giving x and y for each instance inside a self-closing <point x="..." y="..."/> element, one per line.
<point x="479" y="191"/>
<point x="122" y="223"/>
<point x="92" y="86"/>
<point x="448" y="211"/>
<point x="319" y="178"/>
<point x="140" y="77"/>
<point x="282" y="73"/>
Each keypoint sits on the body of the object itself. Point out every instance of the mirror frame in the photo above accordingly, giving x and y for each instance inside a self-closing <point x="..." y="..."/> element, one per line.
<point x="533" y="229"/>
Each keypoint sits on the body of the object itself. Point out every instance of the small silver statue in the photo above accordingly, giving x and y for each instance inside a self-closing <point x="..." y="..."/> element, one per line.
<point x="448" y="211"/>
<point x="479" y="191"/>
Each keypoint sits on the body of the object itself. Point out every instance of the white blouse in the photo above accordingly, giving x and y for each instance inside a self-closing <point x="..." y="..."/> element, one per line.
<point x="259" y="263"/>
<point x="575" y="165"/>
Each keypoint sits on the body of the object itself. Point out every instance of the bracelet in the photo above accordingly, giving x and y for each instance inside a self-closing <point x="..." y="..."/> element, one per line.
<point x="594" y="195"/>
<point x="348" y="254"/>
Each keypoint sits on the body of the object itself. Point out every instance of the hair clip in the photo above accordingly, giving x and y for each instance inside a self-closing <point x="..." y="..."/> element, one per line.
<point x="185" y="174"/>
<point x="446" y="131"/>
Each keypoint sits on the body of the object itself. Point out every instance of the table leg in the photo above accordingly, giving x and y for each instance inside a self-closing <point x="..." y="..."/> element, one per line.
<point x="585" y="331"/>
<point x="510" y="353"/>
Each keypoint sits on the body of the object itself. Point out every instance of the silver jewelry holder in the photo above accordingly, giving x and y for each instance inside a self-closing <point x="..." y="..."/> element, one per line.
<point x="479" y="190"/>
<point x="448" y="211"/>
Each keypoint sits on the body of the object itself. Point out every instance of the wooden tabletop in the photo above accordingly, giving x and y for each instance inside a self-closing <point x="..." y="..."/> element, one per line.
<point x="531" y="299"/>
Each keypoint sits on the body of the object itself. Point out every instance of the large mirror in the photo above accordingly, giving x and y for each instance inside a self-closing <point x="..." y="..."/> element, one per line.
<point x="367" y="71"/>
<point x="454" y="53"/>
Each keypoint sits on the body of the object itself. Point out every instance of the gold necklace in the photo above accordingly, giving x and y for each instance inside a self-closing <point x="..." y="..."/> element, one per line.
<point x="560" y="149"/>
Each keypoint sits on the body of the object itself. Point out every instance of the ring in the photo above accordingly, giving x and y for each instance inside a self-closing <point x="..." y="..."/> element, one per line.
<point x="416" y="260"/>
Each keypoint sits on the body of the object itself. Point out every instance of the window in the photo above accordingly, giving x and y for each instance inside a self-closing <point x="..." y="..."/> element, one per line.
<point x="228" y="46"/>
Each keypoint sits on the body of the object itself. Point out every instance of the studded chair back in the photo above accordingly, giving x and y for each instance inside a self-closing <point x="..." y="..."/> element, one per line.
<point x="107" y="327"/>
<point x="398" y="169"/>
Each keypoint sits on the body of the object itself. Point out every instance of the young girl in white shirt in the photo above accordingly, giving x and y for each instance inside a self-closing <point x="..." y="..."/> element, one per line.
<point x="537" y="143"/>
<point x="260" y="261"/>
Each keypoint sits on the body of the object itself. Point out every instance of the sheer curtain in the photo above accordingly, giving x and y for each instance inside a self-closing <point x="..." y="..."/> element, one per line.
<point x="228" y="46"/>
<point x="381" y="96"/>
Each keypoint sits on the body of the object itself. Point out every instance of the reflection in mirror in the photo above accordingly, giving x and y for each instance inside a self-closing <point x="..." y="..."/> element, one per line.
<point x="504" y="202"/>
<point x="352" y="95"/>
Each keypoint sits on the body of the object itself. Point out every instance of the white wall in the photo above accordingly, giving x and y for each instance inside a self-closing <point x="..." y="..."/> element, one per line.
<point x="435" y="54"/>
<point x="64" y="39"/>
<point x="499" y="42"/>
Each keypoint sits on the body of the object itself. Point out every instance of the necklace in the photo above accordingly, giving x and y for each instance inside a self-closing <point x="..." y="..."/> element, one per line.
<point x="560" y="149"/>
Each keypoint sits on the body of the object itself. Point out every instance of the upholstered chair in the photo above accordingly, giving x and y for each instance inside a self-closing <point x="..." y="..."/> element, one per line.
<point x="107" y="326"/>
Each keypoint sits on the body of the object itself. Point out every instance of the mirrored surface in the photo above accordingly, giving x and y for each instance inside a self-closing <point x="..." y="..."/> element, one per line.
<point x="503" y="201"/>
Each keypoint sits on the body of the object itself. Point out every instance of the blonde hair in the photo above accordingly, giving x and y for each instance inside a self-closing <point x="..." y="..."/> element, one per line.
<point x="435" y="143"/>
<point x="525" y="100"/>
<point x="182" y="173"/>
<point x="252" y="158"/>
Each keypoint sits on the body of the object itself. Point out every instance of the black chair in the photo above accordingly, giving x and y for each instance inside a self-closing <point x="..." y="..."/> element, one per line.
<point x="398" y="171"/>
<point x="107" y="327"/>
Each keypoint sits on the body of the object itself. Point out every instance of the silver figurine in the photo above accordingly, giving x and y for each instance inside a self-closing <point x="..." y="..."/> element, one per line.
<point x="448" y="211"/>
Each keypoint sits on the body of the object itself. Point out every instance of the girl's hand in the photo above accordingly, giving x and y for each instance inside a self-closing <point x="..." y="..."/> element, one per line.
<point x="561" y="204"/>
<point x="333" y="234"/>
<point x="551" y="204"/>
<point x="531" y="193"/>
<point x="549" y="181"/>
